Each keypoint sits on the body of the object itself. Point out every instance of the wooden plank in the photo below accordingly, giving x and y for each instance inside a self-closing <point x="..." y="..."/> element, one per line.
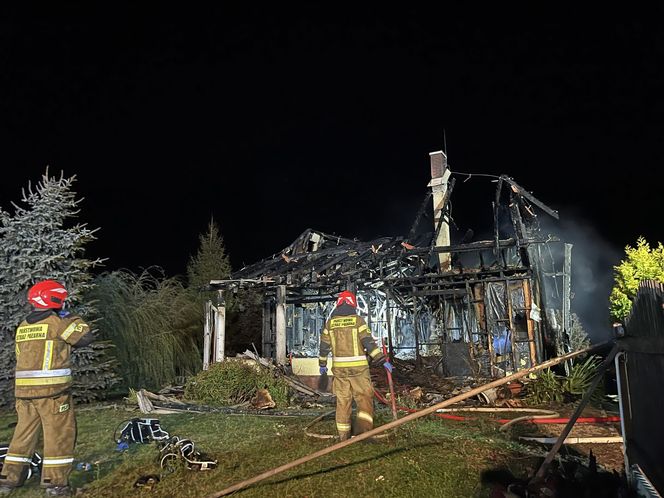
<point x="530" y="324"/>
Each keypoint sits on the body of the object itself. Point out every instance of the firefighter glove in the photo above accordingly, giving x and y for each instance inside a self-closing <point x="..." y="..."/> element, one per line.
<point x="323" y="370"/>
<point x="388" y="366"/>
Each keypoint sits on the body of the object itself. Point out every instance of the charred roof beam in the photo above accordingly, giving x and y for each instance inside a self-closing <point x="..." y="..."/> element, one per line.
<point x="521" y="191"/>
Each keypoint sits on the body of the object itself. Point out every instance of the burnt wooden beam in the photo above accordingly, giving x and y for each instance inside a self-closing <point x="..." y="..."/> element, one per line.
<point x="440" y="292"/>
<point x="418" y="217"/>
<point x="521" y="191"/>
<point x="404" y="282"/>
<point x="322" y="298"/>
<point x="519" y="228"/>
<point x="496" y="204"/>
<point x="477" y="246"/>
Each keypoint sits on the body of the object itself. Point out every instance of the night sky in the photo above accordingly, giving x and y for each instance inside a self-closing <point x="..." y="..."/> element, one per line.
<point x="276" y="121"/>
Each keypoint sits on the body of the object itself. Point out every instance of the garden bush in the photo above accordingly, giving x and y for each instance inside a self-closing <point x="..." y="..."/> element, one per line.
<point x="234" y="382"/>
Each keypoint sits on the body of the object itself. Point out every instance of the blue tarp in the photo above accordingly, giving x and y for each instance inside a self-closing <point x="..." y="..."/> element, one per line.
<point x="502" y="342"/>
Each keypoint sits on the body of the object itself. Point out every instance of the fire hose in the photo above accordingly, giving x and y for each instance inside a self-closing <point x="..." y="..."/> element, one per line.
<point x="544" y="417"/>
<point x="548" y="417"/>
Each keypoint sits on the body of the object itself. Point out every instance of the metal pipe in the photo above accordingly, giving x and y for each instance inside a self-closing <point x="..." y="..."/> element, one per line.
<point x="622" y="412"/>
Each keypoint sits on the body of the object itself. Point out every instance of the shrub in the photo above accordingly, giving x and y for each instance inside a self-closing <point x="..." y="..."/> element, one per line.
<point x="233" y="382"/>
<point x="641" y="263"/>
<point x="550" y="387"/>
<point x="153" y="322"/>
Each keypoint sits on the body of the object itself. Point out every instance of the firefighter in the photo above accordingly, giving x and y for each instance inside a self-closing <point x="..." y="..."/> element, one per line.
<point x="347" y="336"/>
<point x="43" y="390"/>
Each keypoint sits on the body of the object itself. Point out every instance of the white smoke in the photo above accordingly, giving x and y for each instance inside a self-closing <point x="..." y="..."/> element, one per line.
<point x="593" y="260"/>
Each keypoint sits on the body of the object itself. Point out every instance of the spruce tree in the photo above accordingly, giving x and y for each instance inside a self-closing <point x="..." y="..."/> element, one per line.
<point x="211" y="261"/>
<point x="243" y="310"/>
<point x="38" y="242"/>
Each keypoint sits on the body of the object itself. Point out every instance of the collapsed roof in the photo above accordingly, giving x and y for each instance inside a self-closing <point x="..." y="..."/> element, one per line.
<point x="422" y="285"/>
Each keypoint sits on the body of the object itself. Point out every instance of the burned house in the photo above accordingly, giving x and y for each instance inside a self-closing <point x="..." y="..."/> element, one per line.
<point x="483" y="308"/>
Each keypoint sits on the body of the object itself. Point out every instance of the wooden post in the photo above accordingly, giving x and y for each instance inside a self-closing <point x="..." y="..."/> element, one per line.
<point x="388" y="317"/>
<point x="416" y="329"/>
<point x="528" y="305"/>
<point x="280" y="356"/>
<point x="567" y="296"/>
<point x="493" y="370"/>
<point x="440" y="174"/>
<point x="512" y="332"/>
<point x="267" y="349"/>
<point x="390" y="383"/>
<point x="207" y="333"/>
<point x="496" y="227"/>
<point x="220" y="328"/>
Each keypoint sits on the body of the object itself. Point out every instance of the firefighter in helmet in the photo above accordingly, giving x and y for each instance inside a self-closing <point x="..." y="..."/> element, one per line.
<point x="43" y="390"/>
<point x="347" y="336"/>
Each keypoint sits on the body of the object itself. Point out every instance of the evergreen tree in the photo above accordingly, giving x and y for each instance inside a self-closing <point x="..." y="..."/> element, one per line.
<point x="36" y="243"/>
<point x="243" y="310"/>
<point x="211" y="261"/>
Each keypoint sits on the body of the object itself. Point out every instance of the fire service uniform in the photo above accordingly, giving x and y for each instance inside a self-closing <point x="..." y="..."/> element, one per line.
<point x="347" y="336"/>
<point x="43" y="382"/>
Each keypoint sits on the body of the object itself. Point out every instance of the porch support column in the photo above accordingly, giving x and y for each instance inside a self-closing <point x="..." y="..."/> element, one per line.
<point x="220" y="328"/>
<point x="280" y="356"/>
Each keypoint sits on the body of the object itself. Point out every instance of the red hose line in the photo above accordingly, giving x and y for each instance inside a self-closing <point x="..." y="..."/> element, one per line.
<point x="580" y="420"/>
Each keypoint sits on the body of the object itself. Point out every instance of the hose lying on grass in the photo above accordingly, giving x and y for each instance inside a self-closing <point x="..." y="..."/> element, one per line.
<point x="548" y="417"/>
<point x="330" y="436"/>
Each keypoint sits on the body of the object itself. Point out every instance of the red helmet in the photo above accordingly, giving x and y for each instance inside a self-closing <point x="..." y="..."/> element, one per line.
<point x="47" y="294"/>
<point x="347" y="297"/>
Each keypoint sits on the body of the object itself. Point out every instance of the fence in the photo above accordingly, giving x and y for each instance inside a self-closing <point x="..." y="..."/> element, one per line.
<point x="641" y="374"/>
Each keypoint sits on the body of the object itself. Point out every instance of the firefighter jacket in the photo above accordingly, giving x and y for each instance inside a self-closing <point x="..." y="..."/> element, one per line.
<point x="349" y="340"/>
<point x="43" y="344"/>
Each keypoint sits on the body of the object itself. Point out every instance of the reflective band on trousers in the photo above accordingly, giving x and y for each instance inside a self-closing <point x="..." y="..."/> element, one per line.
<point x="47" y="462"/>
<point x="364" y="416"/>
<point x="31" y="374"/>
<point x="11" y="458"/>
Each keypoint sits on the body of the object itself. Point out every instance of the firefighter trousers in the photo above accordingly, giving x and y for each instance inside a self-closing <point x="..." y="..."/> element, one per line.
<point x="56" y="417"/>
<point x="348" y="388"/>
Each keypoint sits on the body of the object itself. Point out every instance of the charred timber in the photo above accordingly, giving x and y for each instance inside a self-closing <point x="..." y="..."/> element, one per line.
<point x="521" y="191"/>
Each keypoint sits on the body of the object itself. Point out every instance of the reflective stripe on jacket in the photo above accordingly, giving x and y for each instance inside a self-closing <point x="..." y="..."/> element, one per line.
<point x="42" y="354"/>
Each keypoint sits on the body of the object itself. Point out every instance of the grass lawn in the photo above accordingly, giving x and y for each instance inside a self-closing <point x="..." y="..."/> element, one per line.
<point x="427" y="457"/>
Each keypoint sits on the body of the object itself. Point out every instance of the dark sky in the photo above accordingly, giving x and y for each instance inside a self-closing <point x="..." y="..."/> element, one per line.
<point x="276" y="121"/>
